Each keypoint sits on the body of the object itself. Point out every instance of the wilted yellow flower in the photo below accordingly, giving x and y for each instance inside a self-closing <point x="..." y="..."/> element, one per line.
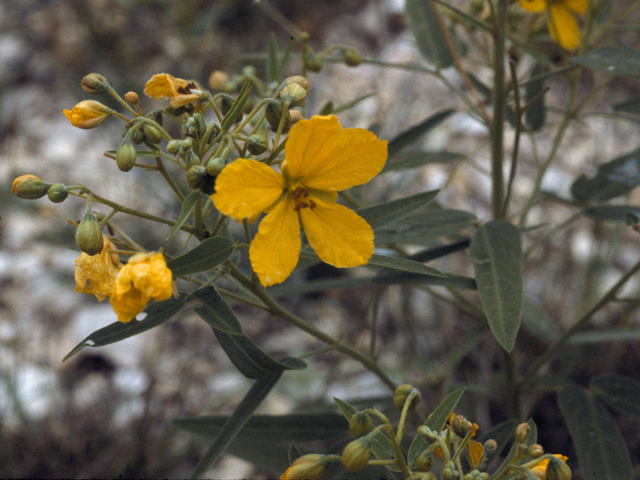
<point x="322" y="158"/>
<point x="307" y="467"/>
<point x="178" y="90"/>
<point x="562" y="23"/>
<point x="143" y="278"/>
<point x="97" y="274"/>
<point x="88" y="114"/>
<point x="540" y="470"/>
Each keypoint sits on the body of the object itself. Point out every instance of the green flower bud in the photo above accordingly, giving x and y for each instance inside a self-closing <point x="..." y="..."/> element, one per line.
<point x="522" y="432"/>
<point x="152" y="134"/>
<point x="126" y="155"/>
<point x="88" y="235"/>
<point x="215" y="166"/>
<point x="57" y="193"/>
<point x="273" y="113"/>
<point x="401" y="395"/>
<point x="198" y="178"/>
<point x="557" y="470"/>
<point x="360" y="424"/>
<point x="460" y="426"/>
<point x="351" y="57"/>
<point x="137" y="137"/>
<point x="356" y="454"/>
<point x="535" y="451"/>
<point x="173" y="147"/>
<point x="424" y="462"/>
<point x="258" y="144"/>
<point x="29" y="187"/>
<point x="422" y="476"/>
<point x="490" y="446"/>
<point x="95" y="84"/>
<point x="293" y="94"/>
<point x="447" y="474"/>
<point x="312" y="61"/>
<point x="192" y="159"/>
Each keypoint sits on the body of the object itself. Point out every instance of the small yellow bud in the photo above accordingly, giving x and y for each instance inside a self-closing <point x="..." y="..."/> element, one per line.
<point x="88" y="235"/>
<point x="401" y="395"/>
<point x="152" y="134"/>
<point x="360" y="424"/>
<point x="273" y="112"/>
<point x="258" y="144"/>
<point x="29" y="187"/>
<point x="131" y="98"/>
<point x="217" y="80"/>
<point x="356" y="454"/>
<point x="308" y="467"/>
<point x="95" y="84"/>
<point x="297" y="79"/>
<point x="522" y="432"/>
<point x="295" y="115"/>
<point x="293" y="94"/>
<point x="57" y="193"/>
<point x="535" y="451"/>
<point x="558" y="470"/>
<point x="424" y="462"/>
<point x="88" y="114"/>
<point x="351" y="57"/>
<point x="126" y="155"/>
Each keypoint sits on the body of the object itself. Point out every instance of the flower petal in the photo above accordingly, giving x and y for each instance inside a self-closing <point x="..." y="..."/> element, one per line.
<point x="534" y="5"/>
<point x="275" y="248"/>
<point x="577" y="6"/>
<point x="98" y="273"/>
<point x="163" y="85"/>
<point x="338" y="235"/>
<point x="563" y="27"/>
<point x="245" y="188"/>
<point x="321" y="154"/>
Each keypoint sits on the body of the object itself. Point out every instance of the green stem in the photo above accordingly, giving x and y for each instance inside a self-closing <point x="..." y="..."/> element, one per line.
<point x="169" y="179"/>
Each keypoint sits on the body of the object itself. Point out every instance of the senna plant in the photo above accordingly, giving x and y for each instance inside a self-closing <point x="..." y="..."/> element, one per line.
<point x="264" y="185"/>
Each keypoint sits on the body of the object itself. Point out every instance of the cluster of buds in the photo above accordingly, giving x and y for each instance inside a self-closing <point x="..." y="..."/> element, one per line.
<point x="313" y="61"/>
<point x="531" y="459"/>
<point x="30" y="187"/>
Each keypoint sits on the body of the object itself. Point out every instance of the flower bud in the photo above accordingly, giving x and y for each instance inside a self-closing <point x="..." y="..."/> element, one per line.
<point x="460" y="426"/>
<point x="356" y="454"/>
<point x="192" y="159"/>
<point x="152" y="134"/>
<point x="258" y="144"/>
<point x="298" y="79"/>
<point x="351" y="57"/>
<point x="558" y="470"/>
<point x="215" y="166"/>
<point x="273" y="112"/>
<point x="296" y="116"/>
<point x="126" y="155"/>
<point x="131" y="98"/>
<point x="423" y="476"/>
<point x="173" y="147"/>
<point x="218" y="79"/>
<point x="137" y="137"/>
<point x="424" y="462"/>
<point x="401" y="395"/>
<point x="312" y="61"/>
<point x="88" y="235"/>
<point x="196" y="176"/>
<point x="490" y="446"/>
<point x="447" y="473"/>
<point x="535" y="451"/>
<point x="95" y="84"/>
<point x="522" y="432"/>
<point x="29" y="187"/>
<point x="360" y="424"/>
<point x="88" y="114"/>
<point x="308" y="467"/>
<point x="58" y="193"/>
<point x="293" y="94"/>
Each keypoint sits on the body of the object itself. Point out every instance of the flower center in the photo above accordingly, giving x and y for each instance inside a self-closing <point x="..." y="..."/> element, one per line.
<point x="300" y="196"/>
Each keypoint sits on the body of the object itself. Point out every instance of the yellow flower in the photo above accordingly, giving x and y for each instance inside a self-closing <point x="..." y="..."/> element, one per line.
<point x="322" y="158"/>
<point x="88" y="114"/>
<point x="540" y="470"/>
<point x="308" y="467"/>
<point x="97" y="274"/>
<point x="562" y="23"/>
<point x="178" y="90"/>
<point x="144" y="277"/>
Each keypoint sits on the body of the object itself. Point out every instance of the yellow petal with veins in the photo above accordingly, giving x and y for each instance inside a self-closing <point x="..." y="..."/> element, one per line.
<point x="563" y="27"/>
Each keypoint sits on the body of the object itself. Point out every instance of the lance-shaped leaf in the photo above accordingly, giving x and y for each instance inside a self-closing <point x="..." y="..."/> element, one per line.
<point x="236" y="421"/>
<point x="215" y="311"/>
<point x="236" y="108"/>
<point x="622" y="393"/>
<point x="601" y="449"/>
<point x="496" y="250"/>
<point x="393" y="211"/>
<point x="411" y="136"/>
<point x="188" y="204"/>
<point x="612" y="60"/>
<point x="436" y="422"/>
<point x="157" y="314"/>
<point x="205" y="256"/>
<point x="535" y="115"/>
<point x="426" y="224"/>
<point x="425" y="26"/>
<point x="250" y="359"/>
<point x="613" y="213"/>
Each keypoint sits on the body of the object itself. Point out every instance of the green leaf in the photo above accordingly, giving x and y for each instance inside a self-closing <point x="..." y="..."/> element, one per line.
<point x="535" y="115"/>
<point x="393" y="211"/>
<point x="612" y="213"/>
<point x="632" y="105"/>
<point x="622" y="393"/>
<point x="236" y="108"/>
<point x="412" y="135"/>
<point x="250" y="359"/>
<point x="273" y="73"/>
<point x="188" y="204"/>
<point x="618" y="335"/>
<point x="419" y="159"/>
<point x="496" y="250"/>
<point x="215" y="311"/>
<point x="157" y="314"/>
<point x="203" y="257"/>
<point x="349" y="105"/>
<point x="251" y="401"/>
<point x="346" y="409"/>
<point x="601" y="450"/>
<point x="436" y="422"/>
<point x="612" y="60"/>
<point x="430" y="223"/>
<point x="425" y="26"/>
<point x="613" y="179"/>
<point x="295" y="427"/>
